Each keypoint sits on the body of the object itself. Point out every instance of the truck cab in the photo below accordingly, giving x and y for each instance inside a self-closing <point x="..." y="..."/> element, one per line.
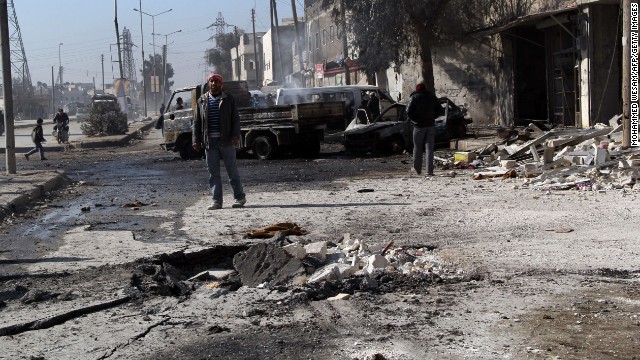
<point x="176" y="122"/>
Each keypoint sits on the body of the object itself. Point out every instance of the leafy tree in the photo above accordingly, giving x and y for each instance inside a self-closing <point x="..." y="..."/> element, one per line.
<point x="417" y="26"/>
<point x="220" y="57"/>
<point x="105" y="118"/>
<point x="147" y="72"/>
<point x="220" y="60"/>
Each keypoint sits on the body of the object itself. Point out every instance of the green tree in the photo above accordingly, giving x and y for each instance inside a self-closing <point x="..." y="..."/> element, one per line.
<point x="105" y="118"/>
<point x="416" y="27"/>
<point x="147" y="72"/>
<point x="219" y="58"/>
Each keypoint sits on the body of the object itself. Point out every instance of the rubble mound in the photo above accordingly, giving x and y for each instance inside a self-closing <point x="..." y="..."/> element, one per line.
<point x="311" y="270"/>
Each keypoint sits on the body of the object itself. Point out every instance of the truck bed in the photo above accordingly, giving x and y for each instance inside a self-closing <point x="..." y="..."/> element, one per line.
<point x="300" y="116"/>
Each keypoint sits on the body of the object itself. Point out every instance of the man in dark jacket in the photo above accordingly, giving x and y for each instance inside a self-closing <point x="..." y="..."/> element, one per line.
<point x="61" y="118"/>
<point x="373" y="106"/>
<point x="217" y="128"/>
<point x="423" y="108"/>
<point x="37" y="136"/>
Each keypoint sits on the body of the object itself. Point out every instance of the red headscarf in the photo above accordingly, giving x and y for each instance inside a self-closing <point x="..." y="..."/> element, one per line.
<point x="214" y="74"/>
<point x="420" y="87"/>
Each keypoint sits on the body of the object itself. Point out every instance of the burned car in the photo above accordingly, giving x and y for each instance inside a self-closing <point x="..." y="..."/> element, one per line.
<point x="391" y="131"/>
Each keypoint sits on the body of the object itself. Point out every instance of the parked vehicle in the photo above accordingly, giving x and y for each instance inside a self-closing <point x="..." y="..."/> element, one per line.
<point x="266" y="131"/>
<point x="392" y="132"/>
<point x="354" y="97"/>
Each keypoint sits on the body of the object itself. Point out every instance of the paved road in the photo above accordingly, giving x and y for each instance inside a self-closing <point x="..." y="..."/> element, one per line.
<point x="22" y="135"/>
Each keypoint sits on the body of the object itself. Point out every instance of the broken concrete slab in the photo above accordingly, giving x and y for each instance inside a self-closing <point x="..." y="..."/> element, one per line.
<point x="268" y="263"/>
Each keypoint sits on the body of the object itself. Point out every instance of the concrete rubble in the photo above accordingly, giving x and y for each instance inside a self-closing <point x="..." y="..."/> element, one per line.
<point x="300" y="262"/>
<point x="560" y="159"/>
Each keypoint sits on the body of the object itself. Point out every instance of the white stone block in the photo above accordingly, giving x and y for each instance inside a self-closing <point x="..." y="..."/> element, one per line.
<point x="295" y="250"/>
<point x="318" y="250"/>
<point x="508" y="164"/>
<point x="376" y="262"/>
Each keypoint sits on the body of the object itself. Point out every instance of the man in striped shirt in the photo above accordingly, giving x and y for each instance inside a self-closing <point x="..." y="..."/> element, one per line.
<point x="217" y="128"/>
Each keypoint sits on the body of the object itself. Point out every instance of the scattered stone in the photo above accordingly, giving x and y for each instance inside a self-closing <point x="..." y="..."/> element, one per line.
<point x="341" y="296"/>
<point x="317" y="250"/>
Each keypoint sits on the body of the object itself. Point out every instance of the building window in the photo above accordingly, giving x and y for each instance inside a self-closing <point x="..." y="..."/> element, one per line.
<point x="317" y="40"/>
<point x="324" y="37"/>
<point x="331" y="33"/>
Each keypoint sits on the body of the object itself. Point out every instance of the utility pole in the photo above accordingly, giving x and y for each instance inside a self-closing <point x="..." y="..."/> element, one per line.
<point x="102" y="57"/>
<point x="255" y="45"/>
<point x="345" y="45"/>
<point x="7" y="90"/>
<point x="298" y="41"/>
<point x="164" y="69"/>
<point x="144" y="81"/>
<point x="280" y="77"/>
<point x="53" y="93"/>
<point x="235" y="31"/>
<point x="118" y="41"/>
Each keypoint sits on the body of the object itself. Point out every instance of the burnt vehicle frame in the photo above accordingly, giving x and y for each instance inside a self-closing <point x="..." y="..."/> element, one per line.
<point x="392" y="131"/>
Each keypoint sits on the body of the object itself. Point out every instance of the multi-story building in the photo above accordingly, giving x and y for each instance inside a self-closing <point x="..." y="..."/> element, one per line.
<point x="279" y="47"/>
<point x="247" y="63"/>
<point x="559" y="62"/>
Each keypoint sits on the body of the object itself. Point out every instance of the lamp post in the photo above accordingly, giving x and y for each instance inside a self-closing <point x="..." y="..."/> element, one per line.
<point x="60" y="71"/>
<point x="153" y="24"/>
<point x="164" y="59"/>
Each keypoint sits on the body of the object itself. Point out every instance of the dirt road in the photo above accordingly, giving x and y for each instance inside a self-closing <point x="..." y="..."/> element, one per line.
<point x="516" y="273"/>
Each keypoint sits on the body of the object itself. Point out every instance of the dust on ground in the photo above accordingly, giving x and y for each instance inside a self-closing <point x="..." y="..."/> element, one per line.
<point x="521" y="291"/>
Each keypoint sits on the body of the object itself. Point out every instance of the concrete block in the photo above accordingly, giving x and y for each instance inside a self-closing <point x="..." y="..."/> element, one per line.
<point x="547" y="155"/>
<point x="600" y="155"/>
<point x="296" y="251"/>
<point x="376" y="262"/>
<point x="341" y="296"/>
<point x="465" y="157"/>
<point x="332" y="272"/>
<point x="317" y="250"/>
<point x="508" y="164"/>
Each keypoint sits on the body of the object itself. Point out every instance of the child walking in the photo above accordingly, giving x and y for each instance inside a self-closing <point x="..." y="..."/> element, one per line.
<point x="37" y="135"/>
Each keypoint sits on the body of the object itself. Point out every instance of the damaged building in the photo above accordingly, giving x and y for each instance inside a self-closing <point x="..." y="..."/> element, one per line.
<point x="559" y="64"/>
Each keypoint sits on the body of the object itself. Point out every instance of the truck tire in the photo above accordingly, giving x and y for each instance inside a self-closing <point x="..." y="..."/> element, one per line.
<point x="264" y="148"/>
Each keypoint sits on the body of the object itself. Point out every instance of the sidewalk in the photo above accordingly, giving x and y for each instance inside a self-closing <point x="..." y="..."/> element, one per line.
<point x="17" y="190"/>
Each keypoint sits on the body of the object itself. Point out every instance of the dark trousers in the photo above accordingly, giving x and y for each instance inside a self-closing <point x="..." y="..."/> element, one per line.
<point x="37" y="148"/>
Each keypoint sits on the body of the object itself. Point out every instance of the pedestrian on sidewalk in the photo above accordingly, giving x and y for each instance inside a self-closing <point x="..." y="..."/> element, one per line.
<point x="217" y="128"/>
<point x="37" y="136"/>
<point x="423" y="108"/>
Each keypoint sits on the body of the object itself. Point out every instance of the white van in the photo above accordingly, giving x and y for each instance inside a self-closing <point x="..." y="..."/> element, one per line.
<point x="352" y="95"/>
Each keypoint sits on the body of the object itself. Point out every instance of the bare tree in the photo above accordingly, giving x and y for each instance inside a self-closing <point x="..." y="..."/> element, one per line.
<point x="389" y="32"/>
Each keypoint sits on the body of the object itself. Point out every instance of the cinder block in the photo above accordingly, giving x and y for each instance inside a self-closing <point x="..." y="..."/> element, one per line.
<point x="508" y="164"/>
<point x="317" y="249"/>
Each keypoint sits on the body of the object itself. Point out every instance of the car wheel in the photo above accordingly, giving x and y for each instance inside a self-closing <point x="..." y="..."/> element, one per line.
<point x="264" y="148"/>
<point x="396" y="144"/>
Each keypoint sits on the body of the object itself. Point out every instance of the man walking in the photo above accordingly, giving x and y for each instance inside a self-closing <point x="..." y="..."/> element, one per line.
<point x="423" y="108"/>
<point x="217" y="128"/>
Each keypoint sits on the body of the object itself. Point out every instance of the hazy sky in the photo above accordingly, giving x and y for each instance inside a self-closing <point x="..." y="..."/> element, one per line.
<point x="87" y="29"/>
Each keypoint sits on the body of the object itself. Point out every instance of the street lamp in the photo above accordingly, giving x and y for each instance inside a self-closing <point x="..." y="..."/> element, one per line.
<point x="164" y="58"/>
<point x="153" y="24"/>
<point x="60" y="72"/>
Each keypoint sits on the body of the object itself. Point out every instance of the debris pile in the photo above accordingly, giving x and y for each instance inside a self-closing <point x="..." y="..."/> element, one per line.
<point x="292" y="261"/>
<point x="584" y="159"/>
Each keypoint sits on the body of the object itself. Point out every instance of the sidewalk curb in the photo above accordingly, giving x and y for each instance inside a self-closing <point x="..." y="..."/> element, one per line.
<point x="38" y="190"/>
